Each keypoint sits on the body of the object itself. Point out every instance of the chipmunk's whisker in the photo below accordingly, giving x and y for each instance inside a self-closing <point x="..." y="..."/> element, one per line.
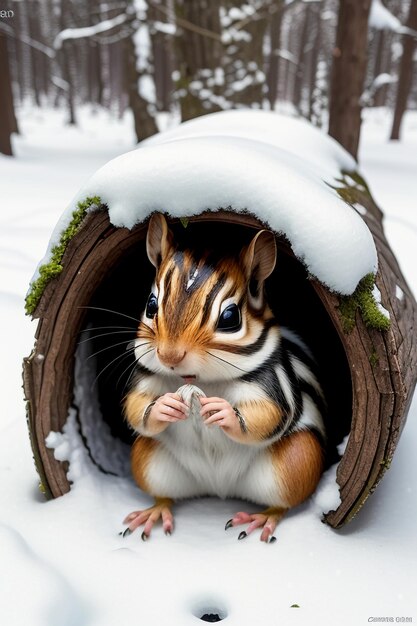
<point x="132" y="366"/>
<point x="117" y="332"/>
<point x="90" y="328"/>
<point x="114" y="345"/>
<point x="119" y="356"/>
<point x="228" y="362"/>
<point x="97" y="308"/>
<point x="145" y="353"/>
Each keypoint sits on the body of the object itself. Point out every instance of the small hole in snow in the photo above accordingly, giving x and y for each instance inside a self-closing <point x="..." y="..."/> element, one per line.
<point x="209" y="612"/>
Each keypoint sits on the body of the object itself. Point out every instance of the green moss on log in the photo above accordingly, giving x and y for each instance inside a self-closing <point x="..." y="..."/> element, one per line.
<point x="352" y="186"/>
<point x="364" y="300"/>
<point x="373" y="358"/>
<point x="386" y="463"/>
<point x="357" y="178"/>
<point x="54" y="267"/>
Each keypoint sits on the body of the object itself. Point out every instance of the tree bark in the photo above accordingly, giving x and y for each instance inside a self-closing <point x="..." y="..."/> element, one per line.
<point x="66" y="62"/>
<point x="380" y="67"/>
<point x="405" y="78"/>
<point x="162" y="57"/>
<point x="198" y="55"/>
<point x="145" y="124"/>
<point x="314" y="65"/>
<point x="7" y="117"/>
<point x="67" y="75"/>
<point x="244" y="55"/>
<point x="301" y="57"/>
<point x="38" y="58"/>
<point x="273" y="68"/>
<point x="348" y="73"/>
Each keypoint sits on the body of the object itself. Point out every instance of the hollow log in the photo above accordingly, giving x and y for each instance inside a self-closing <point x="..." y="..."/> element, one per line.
<point x="382" y="364"/>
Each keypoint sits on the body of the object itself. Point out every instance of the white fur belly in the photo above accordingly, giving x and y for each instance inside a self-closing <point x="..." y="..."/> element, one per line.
<point x="199" y="460"/>
<point x="217" y="464"/>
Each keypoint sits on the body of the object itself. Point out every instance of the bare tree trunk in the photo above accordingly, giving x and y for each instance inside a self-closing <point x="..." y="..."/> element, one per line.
<point x="244" y="54"/>
<point x="314" y="61"/>
<point x="162" y="56"/>
<point x="38" y="58"/>
<point x="7" y="117"/>
<point x="145" y="124"/>
<point x="348" y="73"/>
<point x="289" y="62"/>
<point x="273" y="68"/>
<point x="379" y="66"/>
<point x="199" y="53"/>
<point x="301" y="57"/>
<point x="67" y="75"/>
<point x="405" y="78"/>
<point x="66" y="62"/>
<point x="26" y="52"/>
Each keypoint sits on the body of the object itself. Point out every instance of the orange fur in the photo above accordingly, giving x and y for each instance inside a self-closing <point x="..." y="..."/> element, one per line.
<point x="134" y="406"/>
<point x="141" y="454"/>
<point x="261" y="418"/>
<point x="298" y="462"/>
<point x="179" y="326"/>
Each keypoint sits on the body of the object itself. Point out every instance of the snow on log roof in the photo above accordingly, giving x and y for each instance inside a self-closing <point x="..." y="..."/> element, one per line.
<point x="278" y="168"/>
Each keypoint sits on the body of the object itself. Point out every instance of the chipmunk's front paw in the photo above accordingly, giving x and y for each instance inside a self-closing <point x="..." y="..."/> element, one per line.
<point x="267" y="520"/>
<point x="148" y="517"/>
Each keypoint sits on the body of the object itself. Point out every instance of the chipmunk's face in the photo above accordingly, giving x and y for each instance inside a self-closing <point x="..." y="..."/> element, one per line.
<point x="206" y="318"/>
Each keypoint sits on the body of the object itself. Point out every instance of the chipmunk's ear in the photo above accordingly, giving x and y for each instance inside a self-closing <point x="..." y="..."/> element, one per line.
<point x="259" y="260"/>
<point x="158" y="240"/>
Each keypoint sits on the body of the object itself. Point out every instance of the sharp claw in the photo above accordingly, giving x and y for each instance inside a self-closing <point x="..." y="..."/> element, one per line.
<point x="273" y="539"/>
<point x="242" y="535"/>
<point x="229" y="524"/>
<point x="144" y="536"/>
<point x="168" y="533"/>
<point x="125" y="533"/>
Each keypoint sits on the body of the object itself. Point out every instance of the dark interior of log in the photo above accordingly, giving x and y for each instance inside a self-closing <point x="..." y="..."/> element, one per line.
<point x="126" y="287"/>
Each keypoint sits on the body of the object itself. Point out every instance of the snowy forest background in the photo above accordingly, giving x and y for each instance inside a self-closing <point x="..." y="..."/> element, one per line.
<point x="324" y="59"/>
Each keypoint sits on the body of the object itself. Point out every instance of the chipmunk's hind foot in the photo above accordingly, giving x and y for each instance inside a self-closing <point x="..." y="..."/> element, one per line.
<point x="148" y="518"/>
<point x="267" y="520"/>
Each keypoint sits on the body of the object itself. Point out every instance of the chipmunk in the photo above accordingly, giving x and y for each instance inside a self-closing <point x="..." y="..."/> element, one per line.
<point x="260" y="433"/>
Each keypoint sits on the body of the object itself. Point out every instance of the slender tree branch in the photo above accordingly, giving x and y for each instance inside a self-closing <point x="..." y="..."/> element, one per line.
<point x="89" y="31"/>
<point x="49" y="52"/>
<point x="176" y="19"/>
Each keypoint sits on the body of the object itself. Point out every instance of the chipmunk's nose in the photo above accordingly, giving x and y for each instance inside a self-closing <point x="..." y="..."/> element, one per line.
<point x="171" y="356"/>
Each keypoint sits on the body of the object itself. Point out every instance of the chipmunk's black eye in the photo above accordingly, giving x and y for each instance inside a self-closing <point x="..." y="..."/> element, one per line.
<point x="230" y="321"/>
<point x="152" y="306"/>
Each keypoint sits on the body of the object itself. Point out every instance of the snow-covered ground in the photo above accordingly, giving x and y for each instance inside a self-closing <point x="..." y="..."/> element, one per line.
<point x="62" y="563"/>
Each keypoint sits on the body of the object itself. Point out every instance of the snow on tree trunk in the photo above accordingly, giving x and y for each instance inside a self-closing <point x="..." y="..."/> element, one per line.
<point x="145" y="124"/>
<point x="244" y="29"/>
<point x="348" y="73"/>
<point x="141" y="76"/>
<point x="406" y="72"/>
